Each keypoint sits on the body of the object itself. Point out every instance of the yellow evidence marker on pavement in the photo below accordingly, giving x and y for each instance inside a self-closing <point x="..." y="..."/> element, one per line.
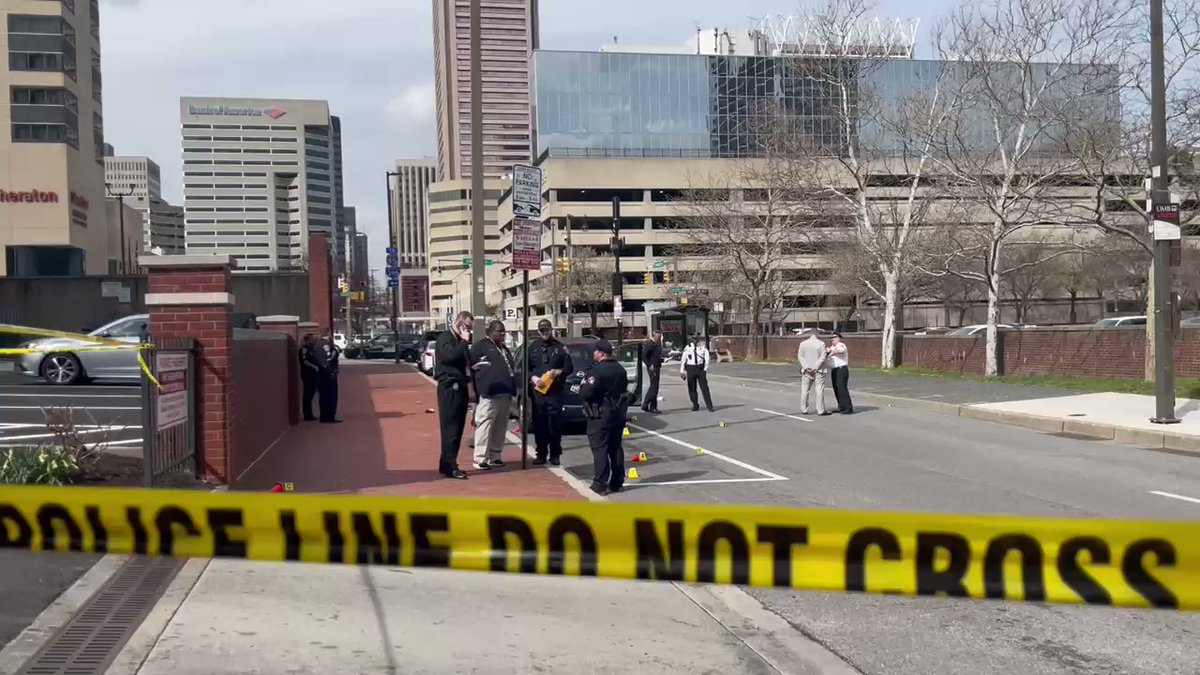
<point x="699" y="451"/>
<point x="721" y="424"/>
<point x="626" y="432"/>
<point x="633" y="474"/>
<point x="640" y="457"/>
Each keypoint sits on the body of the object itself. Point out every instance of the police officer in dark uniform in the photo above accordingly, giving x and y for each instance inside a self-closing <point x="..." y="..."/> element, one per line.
<point x="652" y="357"/>
<point x="548" y="358"/>
<point x="606" y="400"/>
<point x="327" y="381"/>
<point x="451" y="366"/>
<point x="310" y="371"/>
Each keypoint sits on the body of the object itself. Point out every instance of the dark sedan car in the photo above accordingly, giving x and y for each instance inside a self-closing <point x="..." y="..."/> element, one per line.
<point x="628" y="355"/>
<point x="384" y="347"/>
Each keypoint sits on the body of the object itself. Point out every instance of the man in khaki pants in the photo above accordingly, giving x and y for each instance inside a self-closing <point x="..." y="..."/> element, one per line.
<point x="812" y="357"/>
<point x="494" y="389"/>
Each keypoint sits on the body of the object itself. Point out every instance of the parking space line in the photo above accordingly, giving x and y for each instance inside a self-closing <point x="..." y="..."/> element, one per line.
<point x="710" y="453"/>
<point x="1175" y="496"/>
<point x="711" y="481"/>
<point x="772" y="412"/>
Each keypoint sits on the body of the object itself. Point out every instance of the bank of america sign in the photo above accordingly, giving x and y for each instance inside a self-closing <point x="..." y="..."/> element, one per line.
<point x="233" y="111"/>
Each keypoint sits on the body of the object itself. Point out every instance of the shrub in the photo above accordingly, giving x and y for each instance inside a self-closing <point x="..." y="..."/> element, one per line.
<point x="38" y="466"/>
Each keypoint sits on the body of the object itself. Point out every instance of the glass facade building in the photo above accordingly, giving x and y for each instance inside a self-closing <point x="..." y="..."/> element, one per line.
<point x="615" y="104"/>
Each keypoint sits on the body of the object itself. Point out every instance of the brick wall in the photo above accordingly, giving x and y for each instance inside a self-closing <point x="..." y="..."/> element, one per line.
<point x="951" y="354"/>
<point x="261" y="409"/>
<point x="321" y="282"/>
<point x="864" y="348"/>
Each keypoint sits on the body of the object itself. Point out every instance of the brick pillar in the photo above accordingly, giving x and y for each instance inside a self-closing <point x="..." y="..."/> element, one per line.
<point x="189" y="296"/>
<point x="320" y="282"/>
<point x="290" y="326"/>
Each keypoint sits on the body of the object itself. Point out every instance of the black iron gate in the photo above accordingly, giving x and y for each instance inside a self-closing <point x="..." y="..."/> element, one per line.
<point x="169" y="412"/>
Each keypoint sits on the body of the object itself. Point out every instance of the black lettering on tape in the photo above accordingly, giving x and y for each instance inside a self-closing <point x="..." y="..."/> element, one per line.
<point x="425" y="552"/>
<point x="167" y="519"/>
<point x="50" y="514"/>
<point x="949" y="580"/>
<point x="99" y="532"/>
<point x="1073" y="574"/>
<point x="371" y="550"/>
<point x="1133" y="567"/>
<point x="11" y="519"/>
<point x="652" y="562"/>
<point x="498" y="529"/>
<point x="291" y="535"/>
<point x="224" y="545"/>
<point x="856" y="555"/>
<point x="782" y="538"/>
<point x="333" y="533"/>
<point x="1032" y="580"/>
<point x="571" y="525"/>
<point x="739" y="552"/>
<point x="141" y="539"/>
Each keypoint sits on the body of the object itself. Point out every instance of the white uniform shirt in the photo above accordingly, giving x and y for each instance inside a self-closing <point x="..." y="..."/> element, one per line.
<point x="694" y="355"/>
<point x="839" y="356"/>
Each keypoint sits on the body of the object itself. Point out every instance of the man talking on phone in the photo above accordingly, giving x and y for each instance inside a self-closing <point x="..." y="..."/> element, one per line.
<point x="451" y="365"/>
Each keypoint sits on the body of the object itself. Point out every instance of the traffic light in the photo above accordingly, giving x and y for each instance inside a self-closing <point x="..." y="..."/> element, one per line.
<point x="562" y="265"/>
<point x="667" y="277"/>
<point x="647" y="278"/>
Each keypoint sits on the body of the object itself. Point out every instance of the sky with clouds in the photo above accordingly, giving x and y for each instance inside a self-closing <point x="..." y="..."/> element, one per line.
<point x="371" y="59"/>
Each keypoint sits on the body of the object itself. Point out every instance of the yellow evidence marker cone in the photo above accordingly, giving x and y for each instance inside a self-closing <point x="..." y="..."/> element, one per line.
<point x="699" y="451"/>
<point x="633" y="474"/>
<point x="722" y="424"/>
<point x="626" y="432"/>
<point x="640" y="457"/>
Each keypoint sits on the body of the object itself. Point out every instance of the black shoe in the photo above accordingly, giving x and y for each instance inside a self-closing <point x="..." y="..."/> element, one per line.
<point x="712" y="410"/>
<point x="539" y="461"/>
<point x="455" y="474"/>
<point x="599" y="489"/>
<point x="495" y="463"/>
<point x="483" y="466"/>
<point x="695" y="408"/>
<point x="825" y="414"/>
<point x="848" y="412"/>
<point x="614" y="488"/>
<point x="310" y="419"/>
<point x="556" y="461"/>
<point x="331" y="421"/>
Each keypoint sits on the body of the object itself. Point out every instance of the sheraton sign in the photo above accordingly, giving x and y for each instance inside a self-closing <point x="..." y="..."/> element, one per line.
<point x="28" y="197"/>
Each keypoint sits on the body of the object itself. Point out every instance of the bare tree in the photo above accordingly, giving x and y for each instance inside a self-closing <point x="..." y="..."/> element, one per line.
<point x="588" y="281"/>
<point x="1022" y="62"/>
<point x="958" y="295"/>
<point x="1030" y="279"/>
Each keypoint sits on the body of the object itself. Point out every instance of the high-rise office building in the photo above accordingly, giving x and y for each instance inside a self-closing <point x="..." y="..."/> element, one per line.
<point x="260" y="175"/>
<point x="509" y="34"/>
<point x="138" y="180"/>
<point x="410" y="213"/>
<point x="360" y="265"/>
<point x="53" y="219"/>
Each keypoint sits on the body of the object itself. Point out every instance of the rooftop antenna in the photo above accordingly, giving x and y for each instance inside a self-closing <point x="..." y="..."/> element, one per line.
<point x="716" y="41"/>
<point x="615" y="41"/>
<point x="697" y="37"/>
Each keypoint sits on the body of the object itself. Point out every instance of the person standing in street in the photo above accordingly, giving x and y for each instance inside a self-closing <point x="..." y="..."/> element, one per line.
<point x="606" y="401"/>
<point x="310" y="371"/>
<point x="814" y="364"/>
<point x="494" y="389"/>
<point x="549" y="363"/>
<point x="652" y="357"/>
<point x="328" y="356"/>
<point x="693" y="367"/>
<point x="839" y="358"/>
<point x="451" y="363"/>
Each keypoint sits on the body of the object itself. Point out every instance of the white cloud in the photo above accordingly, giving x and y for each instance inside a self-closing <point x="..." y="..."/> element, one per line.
<point x="413" y="105"/>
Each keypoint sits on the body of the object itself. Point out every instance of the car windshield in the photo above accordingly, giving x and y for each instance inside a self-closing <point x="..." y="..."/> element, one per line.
<point x="965" y="330"/>
<point x="1107" y="323"/>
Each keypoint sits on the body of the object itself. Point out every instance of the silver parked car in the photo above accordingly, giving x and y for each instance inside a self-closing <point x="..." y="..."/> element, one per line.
<point x="60" y="361"/>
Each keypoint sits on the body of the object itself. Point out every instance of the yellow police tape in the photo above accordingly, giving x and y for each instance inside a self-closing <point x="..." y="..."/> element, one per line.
<point x="1102" y="562"/>
<point x="102" y="344"/>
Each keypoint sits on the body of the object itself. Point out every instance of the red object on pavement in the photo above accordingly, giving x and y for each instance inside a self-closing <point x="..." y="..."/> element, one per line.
<point x="278" y="487"/>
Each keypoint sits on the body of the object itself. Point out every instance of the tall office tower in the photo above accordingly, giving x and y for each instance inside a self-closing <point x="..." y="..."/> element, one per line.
<point x="410" y="214"/>
<point x="509" y="34"/>
<point x="342" y="230"/>
<point x="53" y="220"/>
<point x="360" y="265"/>
<point x="259" y="175"/>
<point x="138" y="181"/>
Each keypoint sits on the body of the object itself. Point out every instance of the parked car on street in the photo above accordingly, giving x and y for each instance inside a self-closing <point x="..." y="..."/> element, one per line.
<point x="426" y="364"/>
<point x="628" y="355"/>
<point x="980" y="329"/>
<point x="339" y="341"/>
<point x="61" y="361"/>
<point x="384" y="347"/>
<point x="1120" y="322"/>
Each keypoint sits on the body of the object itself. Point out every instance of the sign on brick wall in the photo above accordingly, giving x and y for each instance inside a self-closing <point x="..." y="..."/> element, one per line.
<point x="172" y="400"/>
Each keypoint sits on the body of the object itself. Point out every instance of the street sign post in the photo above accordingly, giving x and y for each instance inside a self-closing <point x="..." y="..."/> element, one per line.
<point x="526" y="256"/>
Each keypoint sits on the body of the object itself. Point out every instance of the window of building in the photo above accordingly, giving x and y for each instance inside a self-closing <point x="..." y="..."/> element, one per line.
<point x="45" y="133"/>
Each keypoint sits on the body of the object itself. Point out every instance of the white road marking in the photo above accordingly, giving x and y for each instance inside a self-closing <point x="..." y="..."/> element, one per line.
<point x="772" y="412"/>
<point x="39" y="395"/>
<point x="30" y="436"/>
<point x="1175" y="496"/>
<point x="712" y="481"/>
<point x="710" y="453"/>
<point x="87" y="407"/>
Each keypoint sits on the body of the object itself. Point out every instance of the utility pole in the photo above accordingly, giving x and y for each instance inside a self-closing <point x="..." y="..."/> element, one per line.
<point x="570" y="277"/>
<point x="1160" y="194"/>
<point x="395" y="242"/>
<point x="617" y="285"/>
<point x="478" y="263"/>
<point x="123" y="262"/>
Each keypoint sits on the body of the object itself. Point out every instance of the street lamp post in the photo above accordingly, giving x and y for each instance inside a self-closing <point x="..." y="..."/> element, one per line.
<point x="120" y="196"/>
<point x="395" y="241"/>
<point x="1160" y="193"/>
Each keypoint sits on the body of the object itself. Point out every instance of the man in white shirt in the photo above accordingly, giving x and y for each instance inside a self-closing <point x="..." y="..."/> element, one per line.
<point x="813" y="366"/>
<point x="839" y="359"/>
<point x="693" y="367"/>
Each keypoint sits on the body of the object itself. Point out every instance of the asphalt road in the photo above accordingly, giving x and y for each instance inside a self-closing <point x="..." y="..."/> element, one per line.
<point x="108" y="412"/>
<point x="900" y="459"/>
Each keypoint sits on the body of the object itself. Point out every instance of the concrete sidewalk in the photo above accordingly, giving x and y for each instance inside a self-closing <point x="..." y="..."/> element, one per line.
<point x="1124" y="418"/>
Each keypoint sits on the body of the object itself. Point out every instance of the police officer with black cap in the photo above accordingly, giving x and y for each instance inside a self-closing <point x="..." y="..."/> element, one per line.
<point x="549" y="364"/>
<point x="606" y="398"/>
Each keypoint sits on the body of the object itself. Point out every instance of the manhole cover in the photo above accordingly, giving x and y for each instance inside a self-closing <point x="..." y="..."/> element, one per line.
<point x="92" y="638"/>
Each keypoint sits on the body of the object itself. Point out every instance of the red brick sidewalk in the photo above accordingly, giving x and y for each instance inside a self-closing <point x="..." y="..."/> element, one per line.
<point x="388" y="445"/>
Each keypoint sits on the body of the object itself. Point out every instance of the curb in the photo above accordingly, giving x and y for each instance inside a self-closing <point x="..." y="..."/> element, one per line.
<point x="1141" y="438"/>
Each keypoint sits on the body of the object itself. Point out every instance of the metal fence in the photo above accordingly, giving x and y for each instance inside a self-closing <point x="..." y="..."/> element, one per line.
<point x="169" y="419"/>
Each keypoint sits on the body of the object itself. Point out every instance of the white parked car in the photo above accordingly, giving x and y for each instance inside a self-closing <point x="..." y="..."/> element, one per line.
<point x="427" y="358"/>
<point x="61" y="361"/>
<point x="1120" y="322"/>
<point x="980" y="329"/>
<point x="339" y="341"/>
